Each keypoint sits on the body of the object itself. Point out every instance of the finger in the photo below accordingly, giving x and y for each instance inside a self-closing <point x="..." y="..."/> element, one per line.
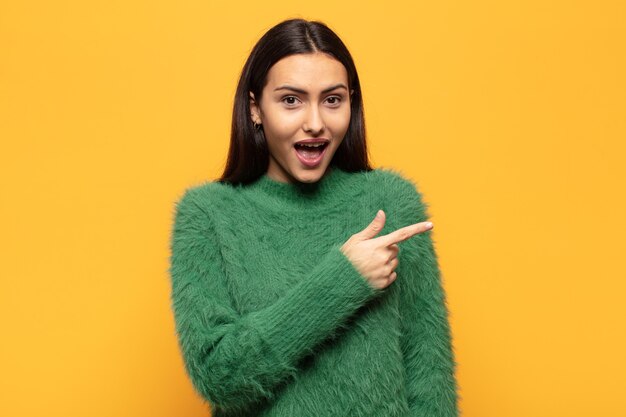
<point x="404" y="233"/>
<point x="374" y="227"/>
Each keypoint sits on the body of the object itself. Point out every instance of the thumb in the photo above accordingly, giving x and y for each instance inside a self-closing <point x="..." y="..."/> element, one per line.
<point x="374" y="227"/>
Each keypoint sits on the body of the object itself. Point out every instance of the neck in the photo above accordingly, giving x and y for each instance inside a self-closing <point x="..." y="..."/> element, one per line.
<point x="300" y="194"/>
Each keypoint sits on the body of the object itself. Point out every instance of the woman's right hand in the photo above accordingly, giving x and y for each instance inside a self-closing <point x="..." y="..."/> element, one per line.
<point x="376" y="258"/>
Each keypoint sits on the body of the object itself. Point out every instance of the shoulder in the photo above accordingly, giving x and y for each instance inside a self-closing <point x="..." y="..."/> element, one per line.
<point x="205" y="193"/>
<point x="396" y="184"/>
<point x="200" y="200"/>
<point x="402" y="194"/>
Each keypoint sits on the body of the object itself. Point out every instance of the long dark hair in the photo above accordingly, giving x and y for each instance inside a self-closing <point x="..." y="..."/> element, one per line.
<point x="248" y="155"/>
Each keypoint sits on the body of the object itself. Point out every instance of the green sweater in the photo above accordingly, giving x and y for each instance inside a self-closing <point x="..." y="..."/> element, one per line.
<point x="272" y="319"/>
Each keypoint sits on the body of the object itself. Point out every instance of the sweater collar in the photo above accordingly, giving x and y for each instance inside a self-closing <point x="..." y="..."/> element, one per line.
<point x="302" y="194"/>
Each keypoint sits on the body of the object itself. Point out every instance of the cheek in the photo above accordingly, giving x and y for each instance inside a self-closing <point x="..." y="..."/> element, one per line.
<point x="340" y="120"/>
<point x="282" y="124"/>
<point x="279" y="134"/>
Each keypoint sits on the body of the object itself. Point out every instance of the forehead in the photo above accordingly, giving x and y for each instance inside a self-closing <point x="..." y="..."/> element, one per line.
<point x="315" y="70"/>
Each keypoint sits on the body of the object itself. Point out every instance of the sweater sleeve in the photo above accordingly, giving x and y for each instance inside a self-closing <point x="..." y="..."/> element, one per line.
<point x="234" y="361"/>
<point x="426" y="336"/>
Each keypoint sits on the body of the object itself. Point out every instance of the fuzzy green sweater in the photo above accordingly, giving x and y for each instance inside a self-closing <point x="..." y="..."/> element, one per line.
<point x="272" y="319"/>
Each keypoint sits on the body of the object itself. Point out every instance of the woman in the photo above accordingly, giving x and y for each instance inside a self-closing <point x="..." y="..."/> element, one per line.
<point x="290" y="293"/>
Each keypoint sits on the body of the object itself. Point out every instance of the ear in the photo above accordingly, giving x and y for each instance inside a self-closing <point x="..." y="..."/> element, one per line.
<point x="254" y="109"/>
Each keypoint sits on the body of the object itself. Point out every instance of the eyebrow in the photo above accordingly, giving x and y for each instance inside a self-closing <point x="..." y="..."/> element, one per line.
<point x="299" y="90"/>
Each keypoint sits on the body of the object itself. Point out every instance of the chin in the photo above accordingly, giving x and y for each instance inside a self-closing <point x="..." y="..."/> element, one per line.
<point x="310" y="176"/>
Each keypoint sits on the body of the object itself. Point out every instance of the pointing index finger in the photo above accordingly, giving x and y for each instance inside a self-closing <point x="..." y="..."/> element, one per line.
<point x="404" y="233"/>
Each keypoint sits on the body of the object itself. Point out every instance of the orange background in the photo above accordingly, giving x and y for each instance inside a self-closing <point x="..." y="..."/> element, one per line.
<point x="509" y="115"/>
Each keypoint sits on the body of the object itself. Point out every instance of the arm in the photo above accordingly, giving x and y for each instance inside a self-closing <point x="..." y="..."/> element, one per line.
<point x="426" y="338"/>
<point x="233" y="360"/>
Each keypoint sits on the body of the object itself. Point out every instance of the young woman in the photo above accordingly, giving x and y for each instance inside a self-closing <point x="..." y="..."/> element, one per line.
<point x="305" y="282"/>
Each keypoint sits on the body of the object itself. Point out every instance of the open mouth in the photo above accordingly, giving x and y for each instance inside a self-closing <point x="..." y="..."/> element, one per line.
<point x="311" y="154"/>
<point x="310" y="151"/>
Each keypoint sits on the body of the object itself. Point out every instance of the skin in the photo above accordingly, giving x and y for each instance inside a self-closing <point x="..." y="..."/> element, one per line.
<point x="376" y="258"/>
<point x="288" y="116"/>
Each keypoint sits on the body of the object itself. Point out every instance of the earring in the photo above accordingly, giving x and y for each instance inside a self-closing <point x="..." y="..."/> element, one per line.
<point x="257" y="126"/>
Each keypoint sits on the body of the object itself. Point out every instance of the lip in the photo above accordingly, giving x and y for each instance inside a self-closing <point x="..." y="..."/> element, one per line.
<point x="311" y="163"/>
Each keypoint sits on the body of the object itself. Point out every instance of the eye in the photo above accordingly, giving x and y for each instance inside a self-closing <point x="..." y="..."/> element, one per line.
<point x="288" y="98"/>
<point x="336" y="102"/>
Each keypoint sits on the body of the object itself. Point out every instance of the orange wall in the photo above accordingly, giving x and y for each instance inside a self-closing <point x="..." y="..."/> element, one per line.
<point x="509" y="115"/>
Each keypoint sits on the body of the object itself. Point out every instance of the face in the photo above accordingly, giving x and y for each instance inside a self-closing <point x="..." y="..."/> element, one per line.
<point x="306" y="97"/>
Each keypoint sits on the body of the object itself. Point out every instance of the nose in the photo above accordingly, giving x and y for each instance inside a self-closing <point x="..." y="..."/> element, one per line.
<point x="314" y="122"/>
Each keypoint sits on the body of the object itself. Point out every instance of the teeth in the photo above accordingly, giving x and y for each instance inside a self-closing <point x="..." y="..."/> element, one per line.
<point x="311" y="145"/>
